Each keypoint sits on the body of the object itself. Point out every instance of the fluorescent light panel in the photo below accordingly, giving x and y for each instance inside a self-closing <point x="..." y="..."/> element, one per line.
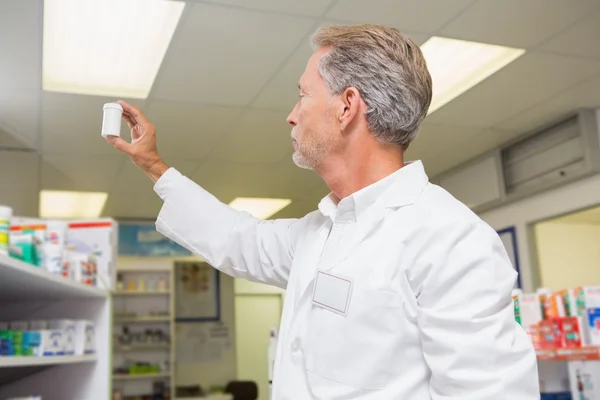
<point x="457" y="65"/>
<point x="259" y="207"/>
<point x="68" y="205"/>
<point x="108" y="48"/>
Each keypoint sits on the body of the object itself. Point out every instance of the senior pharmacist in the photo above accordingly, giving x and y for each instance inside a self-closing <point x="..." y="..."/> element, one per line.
<point x="395" y="290"/>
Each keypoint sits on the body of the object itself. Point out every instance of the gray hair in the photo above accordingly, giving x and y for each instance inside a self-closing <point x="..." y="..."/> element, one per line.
<point x="389" y="71"/>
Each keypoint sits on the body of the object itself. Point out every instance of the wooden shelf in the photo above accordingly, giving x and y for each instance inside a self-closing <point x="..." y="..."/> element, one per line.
<point x="142" y="347"/>
<point x="22" y="281"/>
<point x="148" y="293"/>
<point x="142" y="320"/>
<point x="573" y="354"/>
<point x="125" y="377"/>
<point x="11" y="362"/>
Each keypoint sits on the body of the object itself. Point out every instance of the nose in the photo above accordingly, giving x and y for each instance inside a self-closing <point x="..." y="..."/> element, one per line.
<point x="292" y="119"/>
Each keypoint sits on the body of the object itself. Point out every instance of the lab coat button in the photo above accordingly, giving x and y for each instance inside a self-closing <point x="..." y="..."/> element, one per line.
<point x="295" y="345"/>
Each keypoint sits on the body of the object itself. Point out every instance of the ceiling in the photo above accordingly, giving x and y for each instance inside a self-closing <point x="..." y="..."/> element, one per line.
<point x="228" y="81"/>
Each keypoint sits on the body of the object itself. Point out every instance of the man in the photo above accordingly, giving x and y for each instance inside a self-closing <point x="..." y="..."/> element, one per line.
<point x="395" y="290"/>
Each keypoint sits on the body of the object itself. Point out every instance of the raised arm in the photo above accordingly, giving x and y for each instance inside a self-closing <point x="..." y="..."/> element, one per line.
<point x="232" y="241"/>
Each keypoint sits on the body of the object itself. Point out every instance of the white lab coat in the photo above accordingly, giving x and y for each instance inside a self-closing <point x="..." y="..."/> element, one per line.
<point x="430" y="312"/>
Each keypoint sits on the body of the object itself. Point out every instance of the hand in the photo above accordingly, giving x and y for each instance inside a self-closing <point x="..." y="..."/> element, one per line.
<point x="142" y="149"/>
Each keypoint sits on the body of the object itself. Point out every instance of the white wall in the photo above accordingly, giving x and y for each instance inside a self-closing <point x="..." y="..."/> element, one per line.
<point x="564" y="200"/>
<point x="568" y="254"/>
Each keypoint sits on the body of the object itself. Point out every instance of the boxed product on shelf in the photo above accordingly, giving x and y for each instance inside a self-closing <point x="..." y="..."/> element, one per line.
<point x="68" y="329"/>
<point x="83" y="250"/>
<point x="591" y="295"/>
<point x="98" y="240"/>
<point x="584" y="378"/>
<point x="85" y="337"/>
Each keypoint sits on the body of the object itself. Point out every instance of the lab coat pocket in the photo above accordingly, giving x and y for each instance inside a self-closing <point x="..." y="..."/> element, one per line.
<point x="356" y="350"/>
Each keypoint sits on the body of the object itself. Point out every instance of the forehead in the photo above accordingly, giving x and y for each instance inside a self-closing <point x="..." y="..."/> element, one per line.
<point x="311" y="72"/>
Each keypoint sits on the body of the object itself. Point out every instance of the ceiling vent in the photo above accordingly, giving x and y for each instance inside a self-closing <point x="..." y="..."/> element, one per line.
<point x="546" y="158"/>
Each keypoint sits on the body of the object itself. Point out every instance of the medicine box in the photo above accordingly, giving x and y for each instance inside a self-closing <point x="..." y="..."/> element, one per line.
<point x="584" y="377"/>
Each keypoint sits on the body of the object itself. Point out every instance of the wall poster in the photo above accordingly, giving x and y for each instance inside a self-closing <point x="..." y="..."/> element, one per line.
<point x="197" y="295"/>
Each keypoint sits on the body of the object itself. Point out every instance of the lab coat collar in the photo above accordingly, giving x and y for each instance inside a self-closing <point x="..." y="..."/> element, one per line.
<point x="399" y="189"/>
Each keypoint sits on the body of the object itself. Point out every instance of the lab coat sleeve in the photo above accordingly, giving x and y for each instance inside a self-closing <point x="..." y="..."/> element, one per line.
<point x="471" y="342"/>
<point x="232" y="241"/>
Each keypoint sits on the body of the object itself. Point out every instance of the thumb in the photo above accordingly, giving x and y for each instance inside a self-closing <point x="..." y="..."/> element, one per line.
<point x="120" y="144"/>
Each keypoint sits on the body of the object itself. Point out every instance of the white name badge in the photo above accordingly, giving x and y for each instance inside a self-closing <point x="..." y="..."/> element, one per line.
<point x="332" y="292"/>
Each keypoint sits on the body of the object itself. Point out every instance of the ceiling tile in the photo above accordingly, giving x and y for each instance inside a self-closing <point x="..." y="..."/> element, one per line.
<point x="296" y="209"/>
<point x="410" y="15"/>
<point x="433" y="139"/>
<point x="19" y="117"/>
<point x="19" y="172"/>
<point x="580" y="39"/>
<point x="468" y="149"/>
<point x="312" y="8"/>
<point x="233" y="54"/>
<point x="80" y="172"/>
<point x="189" y="130"/>
<point x="281" y="93"/>
<point x="526" y="82"/>
<point x="260" y="136"/>
<point x="21" y="61"/>
<point x="73" y="123"/>
<point x="131" y="179"/>
<point x="230" y="180"/>
<point x="516" y="22"/>
<point x="19" y="169"/>
<point x="583" y="95"/>
<point x="143" y="205"/>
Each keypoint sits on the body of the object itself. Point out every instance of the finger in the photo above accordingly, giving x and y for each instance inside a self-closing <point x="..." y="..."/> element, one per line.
<point x="134" y="112"/>
<point x="129" y="120"/>
<point x="120" y="144"/>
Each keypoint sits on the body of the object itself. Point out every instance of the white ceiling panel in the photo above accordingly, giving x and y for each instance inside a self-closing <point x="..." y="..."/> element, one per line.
<point x="229" y="180"/>
<point x="225" y="55"/>
<point x="19" y="169"/>
<point x="583" y="95"/>
<point x="21" y="60"/>
<point x="433" y="139"/>
<point x="19" y="115"/>
<point x="80" y="172"/>
<point x="19" y="172"/>
<point x="189" y="130"/>
<point x="73" y="123"/>
<point x="296" y="209"/>
<point x="260" y="136"/>
<point x="529" y="80"/>
<point x="131" y="179"/>
<point x="281" y="93"/>
<point x="516" y="22"/>
<point x="411" y="15"/>
<point x="579" y="40"/>
<point x="312" y="8"/>
<point x="461" y="152"/>
<point x="144" y="204"/>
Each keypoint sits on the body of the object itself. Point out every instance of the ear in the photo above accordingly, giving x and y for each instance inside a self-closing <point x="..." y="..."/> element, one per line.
<point x="349" y="107"/>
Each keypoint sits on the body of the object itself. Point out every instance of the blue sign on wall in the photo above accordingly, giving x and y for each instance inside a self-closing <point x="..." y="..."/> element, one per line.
<point x="142" y="239"/>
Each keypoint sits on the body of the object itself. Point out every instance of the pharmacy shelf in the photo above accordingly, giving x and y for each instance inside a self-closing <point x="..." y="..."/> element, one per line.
<point x="137" y="377"/>
<point x="572" y="354"/>
<point x="142" y="347"/>
<point x="147" y="293"/>
<point x="142" y="320"/>
<point x="9" y="362"/>
<point x="20" y="280"/>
